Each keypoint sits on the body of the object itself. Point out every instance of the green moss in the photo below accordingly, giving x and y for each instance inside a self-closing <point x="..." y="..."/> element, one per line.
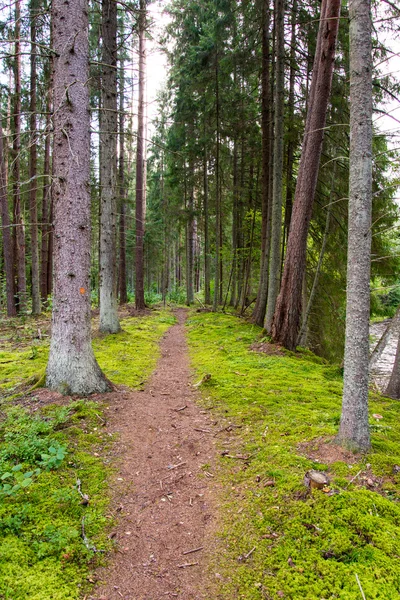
<point x="305" y="546"/>
<point x="42" y="553"/>
<point x="126" y="358"/>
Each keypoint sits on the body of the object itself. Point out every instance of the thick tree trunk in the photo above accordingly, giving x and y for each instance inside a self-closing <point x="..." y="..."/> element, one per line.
<point x="276" y="231"/>
<point x="140" y="182"/>
<point x="19" y="233"/>
<point x="6" y="234"/>
<point x="288" y="308"/>
<point x="354" y="428"/>
<point x="72" y="367"/>
<point x="36" y="308"/>
<point x="109" y="321"/>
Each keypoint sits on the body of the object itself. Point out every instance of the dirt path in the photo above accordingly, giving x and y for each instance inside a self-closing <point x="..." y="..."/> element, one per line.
<point x="163" y="490"/>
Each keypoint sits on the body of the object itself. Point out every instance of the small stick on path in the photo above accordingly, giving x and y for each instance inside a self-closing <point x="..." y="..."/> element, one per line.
<point x="359" y="585"/>
<point x="187" y="565"/>
<point x="194" y="550"/>
<point x="179" y="409"/>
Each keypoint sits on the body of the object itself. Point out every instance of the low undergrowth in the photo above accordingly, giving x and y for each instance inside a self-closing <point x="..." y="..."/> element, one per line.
<point x="54" y="465"/>
<point x="277" y="539"/>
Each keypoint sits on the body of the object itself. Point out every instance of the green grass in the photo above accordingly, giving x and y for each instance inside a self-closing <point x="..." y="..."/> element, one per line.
<point x="306" y="546"/>
<point x="42" y="553"/>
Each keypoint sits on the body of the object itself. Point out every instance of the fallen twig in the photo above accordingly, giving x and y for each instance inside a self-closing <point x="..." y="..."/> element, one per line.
<point x="194" y="550"/>
<point x="187" y="565"/>
<point x="176" y="466"/>
<point x="85" y="497"/>
<point x="179" y="409"/>
<point x="86" y="541"/>
<point x="202" y="430"/>
<point x="359" y="585"/>
<point x="353" y="478"/>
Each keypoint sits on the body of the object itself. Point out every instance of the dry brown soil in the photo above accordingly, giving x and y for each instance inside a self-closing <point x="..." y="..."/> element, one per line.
<point x="164" y="489"/>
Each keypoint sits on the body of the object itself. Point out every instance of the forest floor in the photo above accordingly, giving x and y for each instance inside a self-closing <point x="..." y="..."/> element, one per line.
<point x="196" y="491"/>
<point x="163" y="487"/>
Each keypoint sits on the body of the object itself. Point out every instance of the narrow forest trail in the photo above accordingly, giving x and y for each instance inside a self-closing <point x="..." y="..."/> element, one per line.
<point x="163" y="492"/>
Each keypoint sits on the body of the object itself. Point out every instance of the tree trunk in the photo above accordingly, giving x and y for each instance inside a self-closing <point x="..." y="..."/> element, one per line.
<point x="276" y="232"/>
<point x="140" y="183"/>
<point x="36" y="308"/>
<point x="46" y="201"/>
<point x="123" y="295"/>
<point x="217" y="280"/>
<point x="72" y="367"/>
<point x="261" y="303"/>
<point x="288" y="308"/>
<point x="19" y="233"/>
<point x="6" y="234"/>
<point x="207" y="295"/>
<point x="354" y="428"/>
<point x="190" y="230"/>
<point x="109" y="321"/>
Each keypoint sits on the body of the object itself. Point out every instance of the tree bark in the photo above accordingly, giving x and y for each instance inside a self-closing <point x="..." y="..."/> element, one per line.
<point x="123" y="294"/>
<point x="207" y="277"/>
<point x="287" y="315"/>
<point x="6" y="234"/>
<point x="276" y="232"/>
<point x="72" y="367"/>
<point x="109" y="321"/>
<point x="46" y="201"/>
<point x="36" y="308"/>
<point x="354" y="428"/>
<point x="140" y="182"/>
<point x="19" y="233"/>
<point x="217" y="280"/>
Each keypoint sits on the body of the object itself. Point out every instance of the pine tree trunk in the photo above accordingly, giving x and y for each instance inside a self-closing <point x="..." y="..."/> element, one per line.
<point x="109" y="321"/>
<point x="36" y="308"/>
<point x="261" y="302"/>
<point x="354" y="427"/>
<point x="72" y="367"/>
<point x="46" y="228"/>
<point x="288" y="308"/>
<point x="6" y="234"/>
<point x="190" y="230"/>
<point x="276" y="233"/>
<point x="140" y="183"/>
<point x="123" y="295"/>
<point x="217" y="280"/>
<point x="19" y="234"/>
<point x="207" y="277"/>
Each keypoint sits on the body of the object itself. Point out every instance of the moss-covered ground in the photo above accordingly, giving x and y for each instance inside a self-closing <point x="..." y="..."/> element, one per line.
<point x="50" y="538"/>
<point x="277" y="540"/>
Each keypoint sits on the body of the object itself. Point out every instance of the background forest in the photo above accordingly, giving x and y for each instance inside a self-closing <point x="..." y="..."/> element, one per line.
<point x="208" y="167"/>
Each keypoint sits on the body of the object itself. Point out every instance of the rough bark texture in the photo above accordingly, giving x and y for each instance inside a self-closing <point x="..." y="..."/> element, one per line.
<point x="140" y="183"/>
<point x="217" y="280"/>
<point x="36" y="308"/>
<point x="276" y="234"/>
<point x="46" y="229"/>
<point x="72" y="367"/>
<point x="109" y="321"/>
<point x="190" y="234"/>
<point x="289" y="306"/>
<point x="207" y="276"/>
<point x="123" y="295"/>
<point x="261" y="303"/>
<point x="19" y="233"/>
<point x="8" y="253"/>
<point x="354" y="428"/>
